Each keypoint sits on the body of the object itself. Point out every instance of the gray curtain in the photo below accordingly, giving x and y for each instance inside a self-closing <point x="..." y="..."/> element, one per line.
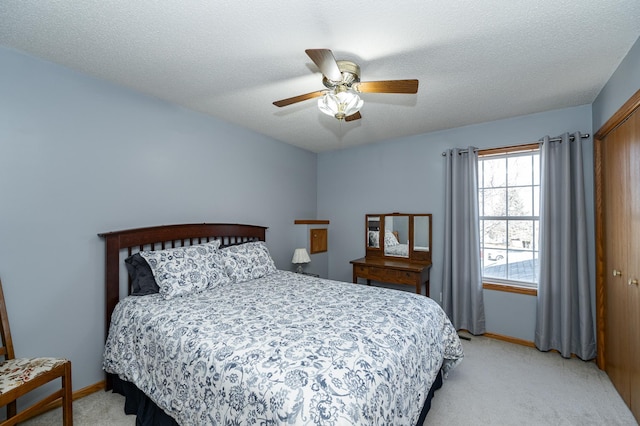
<point x="462" y="297"/>
<point x="564" y="319"/>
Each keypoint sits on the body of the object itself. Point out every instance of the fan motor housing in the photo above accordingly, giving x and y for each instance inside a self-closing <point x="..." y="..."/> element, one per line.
<point x="350" y="74"/>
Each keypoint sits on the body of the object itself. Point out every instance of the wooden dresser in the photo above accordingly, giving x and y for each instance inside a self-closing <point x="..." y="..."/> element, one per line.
<point x="395" y="271"/>
<point x="398" y="250"/>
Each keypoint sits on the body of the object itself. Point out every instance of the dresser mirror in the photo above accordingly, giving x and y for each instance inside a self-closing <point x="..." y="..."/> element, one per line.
<point x="373" y="230"/>
<point x="396" y="235"/>
<point x="399" y="235"/>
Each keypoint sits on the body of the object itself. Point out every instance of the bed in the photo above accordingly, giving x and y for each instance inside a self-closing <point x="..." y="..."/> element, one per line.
<point x="261" y="345"/>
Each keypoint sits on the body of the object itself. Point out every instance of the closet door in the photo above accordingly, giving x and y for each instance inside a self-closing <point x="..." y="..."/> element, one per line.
<point x="616" y="216"/>
<point x="633" y="257"/>
<point x="620" y="161"/>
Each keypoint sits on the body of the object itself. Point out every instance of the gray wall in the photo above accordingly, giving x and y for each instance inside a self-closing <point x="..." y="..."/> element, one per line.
<point x="624" y="82"/>
<point x="406" y="175"/>
<point x="80" y="156"/>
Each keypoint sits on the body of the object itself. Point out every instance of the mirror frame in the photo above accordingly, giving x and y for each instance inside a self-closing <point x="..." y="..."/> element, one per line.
<point x="413" y="255"/>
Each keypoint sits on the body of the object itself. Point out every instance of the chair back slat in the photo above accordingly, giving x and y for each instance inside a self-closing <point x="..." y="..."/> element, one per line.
<point x="6" y="349"/>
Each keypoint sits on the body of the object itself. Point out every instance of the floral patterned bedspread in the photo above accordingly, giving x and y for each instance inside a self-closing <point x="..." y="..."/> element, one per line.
<point x="284" y="349"/>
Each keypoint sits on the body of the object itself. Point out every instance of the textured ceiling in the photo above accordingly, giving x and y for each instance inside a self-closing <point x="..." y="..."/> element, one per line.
<point x="476" y="61"/>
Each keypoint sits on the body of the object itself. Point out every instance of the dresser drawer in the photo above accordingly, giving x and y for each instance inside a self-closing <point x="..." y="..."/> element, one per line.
<point x="385" y="274"/>
<point x="392" y="271"/>
<point x="361" y="271"/>
<point x="399" y="277"/>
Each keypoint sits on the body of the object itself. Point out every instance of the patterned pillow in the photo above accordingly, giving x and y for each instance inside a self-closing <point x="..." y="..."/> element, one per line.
<point x="184" y="270"/>
<point x="390" y="239"/>
<point x="248" y="261"/>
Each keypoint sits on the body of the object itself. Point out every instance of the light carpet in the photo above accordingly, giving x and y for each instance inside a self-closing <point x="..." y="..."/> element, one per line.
<point x="497" y="383"/>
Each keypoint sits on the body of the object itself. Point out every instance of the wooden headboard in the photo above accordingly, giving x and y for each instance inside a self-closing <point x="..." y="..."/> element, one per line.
<point x="160" y="237"/>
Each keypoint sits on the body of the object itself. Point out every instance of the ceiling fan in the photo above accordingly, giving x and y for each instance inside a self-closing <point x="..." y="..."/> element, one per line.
<point x="342" y="80"/>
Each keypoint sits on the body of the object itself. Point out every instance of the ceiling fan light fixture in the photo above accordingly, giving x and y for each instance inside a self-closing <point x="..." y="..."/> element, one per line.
<point x="342" y="80"/>
<point x="340" y="103"/>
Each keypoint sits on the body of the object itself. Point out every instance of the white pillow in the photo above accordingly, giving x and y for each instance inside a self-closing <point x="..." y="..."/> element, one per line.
<point x="247" y="261"/>
<point x="390" y="239"/>
<point x="184" y="270"/>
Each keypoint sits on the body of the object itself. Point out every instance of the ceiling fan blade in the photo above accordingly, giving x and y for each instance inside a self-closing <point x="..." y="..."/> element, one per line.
<point x="387" y="86"/>
<point x="352" y="117"/>
<point x="324" y="59"/>
<point x="299" y="98"/>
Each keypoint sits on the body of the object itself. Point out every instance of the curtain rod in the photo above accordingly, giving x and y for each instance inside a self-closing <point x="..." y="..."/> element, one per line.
<point x="558" y="139"/>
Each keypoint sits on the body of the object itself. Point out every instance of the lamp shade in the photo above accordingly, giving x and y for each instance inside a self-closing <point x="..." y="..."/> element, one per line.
<point x="341" y="104"/>
<point x="300" y="255"/>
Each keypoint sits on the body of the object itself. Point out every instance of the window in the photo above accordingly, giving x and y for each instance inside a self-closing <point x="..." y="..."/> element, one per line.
<point x="509" y="204"/>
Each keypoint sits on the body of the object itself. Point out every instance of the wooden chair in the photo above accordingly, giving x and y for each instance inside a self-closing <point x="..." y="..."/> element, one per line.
<point x="19" y="376"/>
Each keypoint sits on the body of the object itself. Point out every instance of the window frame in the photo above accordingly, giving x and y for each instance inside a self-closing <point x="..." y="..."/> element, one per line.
<point x="497" y="284"/>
